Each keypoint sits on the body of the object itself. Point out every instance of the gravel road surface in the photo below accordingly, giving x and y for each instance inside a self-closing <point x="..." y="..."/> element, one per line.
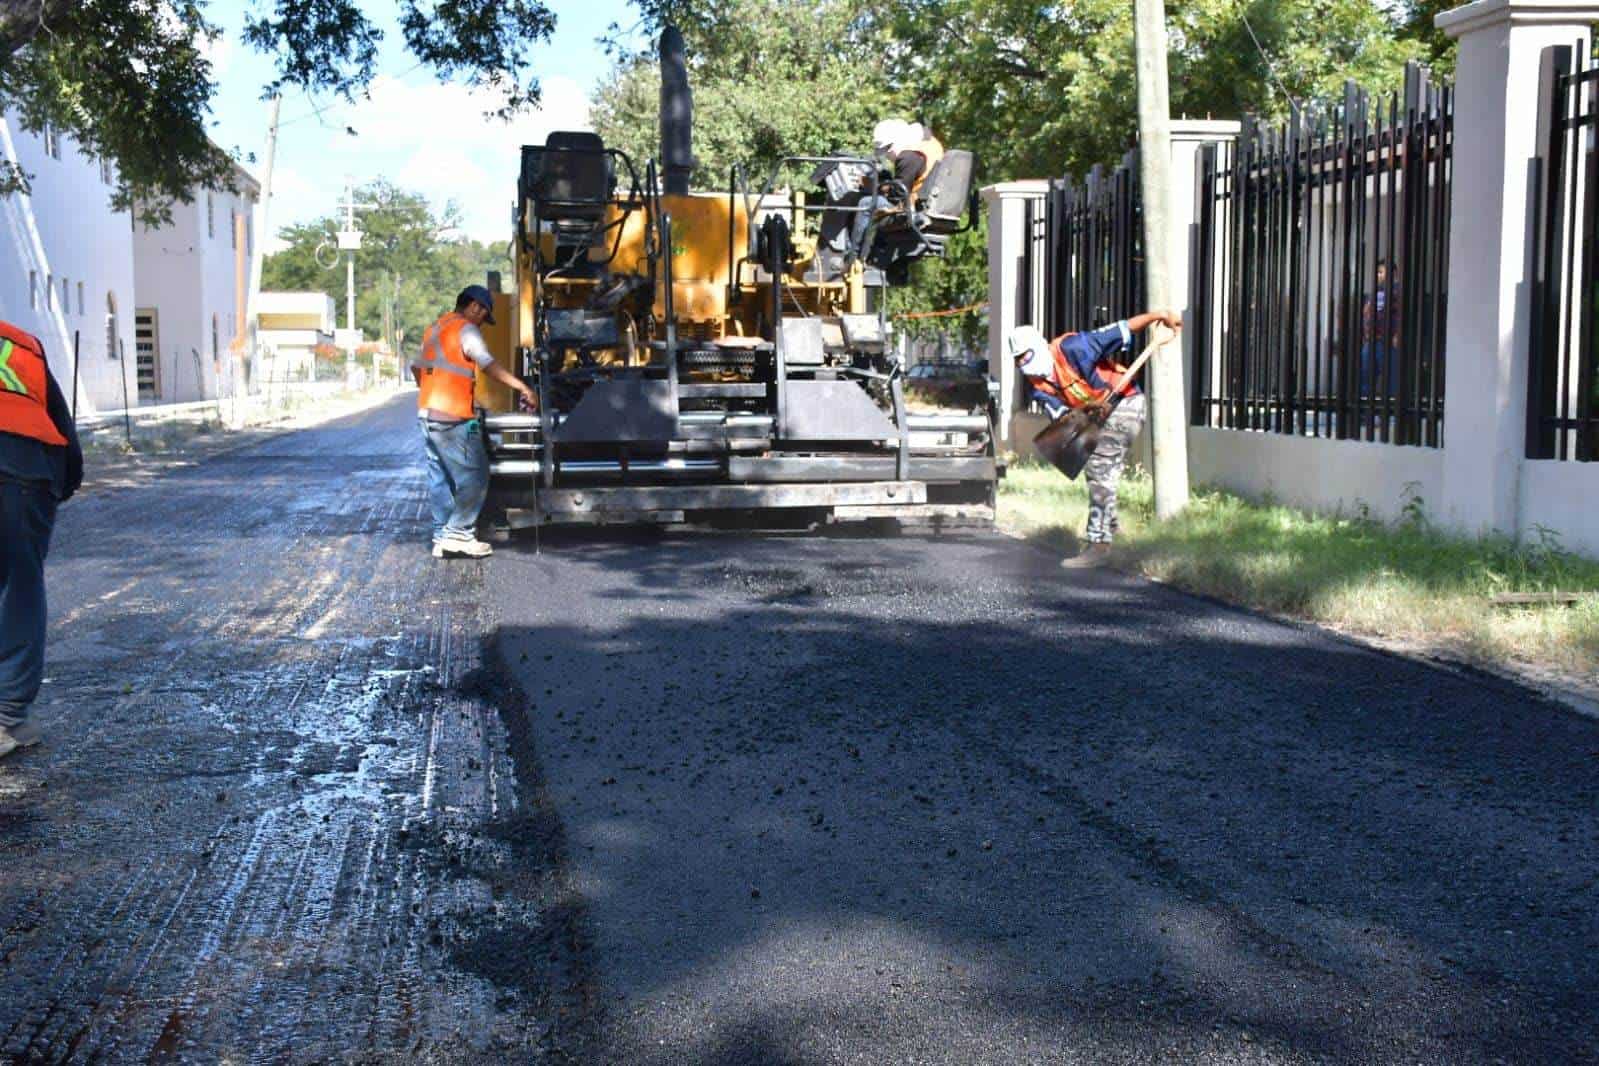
<point x="272" y="820"/>
<point x="308" y="796"/>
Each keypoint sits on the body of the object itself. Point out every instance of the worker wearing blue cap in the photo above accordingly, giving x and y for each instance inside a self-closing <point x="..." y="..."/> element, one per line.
<point x="453" y="351"/>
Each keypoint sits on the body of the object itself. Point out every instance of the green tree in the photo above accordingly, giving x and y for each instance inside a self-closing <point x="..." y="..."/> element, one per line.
<point x="770" y="78"/>
<point x="1042" y="90"/>
<point x="129" y="81"/>
<point x="411" y="264"/>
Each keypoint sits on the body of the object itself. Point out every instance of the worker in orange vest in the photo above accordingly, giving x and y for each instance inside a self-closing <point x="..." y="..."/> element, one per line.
<point x="912" y="149"/>
<point x="453" y="351"/>
<point x="40" y="466"/>
<point x="1078" y="370"/>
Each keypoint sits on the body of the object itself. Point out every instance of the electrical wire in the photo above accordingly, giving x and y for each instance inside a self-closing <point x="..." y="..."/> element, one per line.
<point x="1271" y="69"/>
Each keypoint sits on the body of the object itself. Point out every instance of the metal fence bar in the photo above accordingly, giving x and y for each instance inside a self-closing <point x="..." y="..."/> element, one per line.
<point x="1299" y="335"/>
<point x="1563" y="356"/>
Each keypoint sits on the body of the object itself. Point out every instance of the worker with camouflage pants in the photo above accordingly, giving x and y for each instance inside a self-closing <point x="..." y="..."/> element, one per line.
<point x="1078" y="370"/>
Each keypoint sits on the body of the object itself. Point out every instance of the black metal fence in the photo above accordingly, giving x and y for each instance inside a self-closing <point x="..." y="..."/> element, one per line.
<point x="1563" y="371"/>
<point x="1320" y="267"/>
<point x="1093" y="249"/>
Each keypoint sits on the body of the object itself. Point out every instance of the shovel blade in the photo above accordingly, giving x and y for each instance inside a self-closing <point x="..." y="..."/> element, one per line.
<point x="1067" y="442"/>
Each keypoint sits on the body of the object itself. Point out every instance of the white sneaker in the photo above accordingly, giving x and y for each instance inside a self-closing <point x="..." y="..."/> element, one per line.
<point x="13" y="737"/>
<point x="470" y="547"/>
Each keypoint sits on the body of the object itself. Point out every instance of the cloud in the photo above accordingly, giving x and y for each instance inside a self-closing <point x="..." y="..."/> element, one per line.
<point x="434" y="138"/>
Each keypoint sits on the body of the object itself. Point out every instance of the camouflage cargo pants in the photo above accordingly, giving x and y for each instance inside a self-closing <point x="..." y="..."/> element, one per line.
<point x="1104" y="469"/>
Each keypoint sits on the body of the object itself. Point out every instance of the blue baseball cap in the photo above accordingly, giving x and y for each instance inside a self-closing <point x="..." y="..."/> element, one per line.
<point x="479" y="295"/>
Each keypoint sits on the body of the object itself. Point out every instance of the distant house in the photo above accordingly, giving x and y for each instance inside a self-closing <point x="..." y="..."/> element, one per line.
<point x="153" y="310"/>
<point x="190" y="278"/>
<point x="289" y="328"/>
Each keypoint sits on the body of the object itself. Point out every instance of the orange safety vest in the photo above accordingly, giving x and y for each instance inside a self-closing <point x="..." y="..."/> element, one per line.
<point x="446" y="374"/>
<point x="24" y="374"/>
<point x="1070" y="387"/>
<point x="931" y="150"/>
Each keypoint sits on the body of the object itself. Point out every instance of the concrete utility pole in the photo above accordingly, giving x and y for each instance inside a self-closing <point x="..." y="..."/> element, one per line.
<point x="252" y="303"/>
<point x="350" y="243"/>
<point x="1168" y="428"/>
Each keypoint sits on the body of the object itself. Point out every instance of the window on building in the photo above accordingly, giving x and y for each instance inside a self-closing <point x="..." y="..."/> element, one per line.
<point x="233" y="228"/>
<point x="49" y="292"/>
<point x="33" y="290"/>
<point x="52" y="141"/>
<point x="66" y="297"/>
<point x="210" y="215"/>
<point x="111" y="331"/>
<point x="80" y="298"/>
<point x="108" y="174"/>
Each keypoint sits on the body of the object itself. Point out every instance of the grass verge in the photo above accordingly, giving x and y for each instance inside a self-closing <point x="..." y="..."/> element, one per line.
<point x="1407" y="582"/>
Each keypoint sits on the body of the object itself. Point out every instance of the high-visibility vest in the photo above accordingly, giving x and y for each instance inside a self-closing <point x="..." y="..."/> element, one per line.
<point x="1070" y="387"/>
<point x="24" y="408"/>
<point x="446" y="374"/>
<point x="932" y="150"/>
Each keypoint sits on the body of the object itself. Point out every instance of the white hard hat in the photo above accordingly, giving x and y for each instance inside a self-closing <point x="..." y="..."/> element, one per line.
<point x="1023" y="339"/>
<point x="888" y="133"/>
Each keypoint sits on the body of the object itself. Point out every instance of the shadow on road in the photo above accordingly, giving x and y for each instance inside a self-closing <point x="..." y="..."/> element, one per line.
<point x="916" y="800"/>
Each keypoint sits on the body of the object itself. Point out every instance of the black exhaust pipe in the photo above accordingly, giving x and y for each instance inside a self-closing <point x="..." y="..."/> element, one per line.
<point x="677" y="115"/>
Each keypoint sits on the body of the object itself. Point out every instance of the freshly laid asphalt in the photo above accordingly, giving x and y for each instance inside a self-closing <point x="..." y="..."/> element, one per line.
<point x="915" y="800"/>
<point x="308" y="795"/>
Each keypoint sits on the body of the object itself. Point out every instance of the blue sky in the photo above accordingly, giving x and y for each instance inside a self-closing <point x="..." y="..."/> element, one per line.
<point x="411" y="129"/>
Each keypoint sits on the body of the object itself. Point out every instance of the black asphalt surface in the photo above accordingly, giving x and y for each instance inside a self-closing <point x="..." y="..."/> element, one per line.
<point x="936" y="801"/>
<point x="309" y="796"/>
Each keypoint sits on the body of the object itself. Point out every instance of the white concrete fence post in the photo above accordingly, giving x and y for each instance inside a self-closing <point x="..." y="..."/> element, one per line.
<point x="1007" y="241"/>
<point x="1491" y="249"/>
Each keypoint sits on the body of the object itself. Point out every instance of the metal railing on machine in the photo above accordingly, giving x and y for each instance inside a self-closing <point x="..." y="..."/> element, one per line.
<point x="1563" y="368"/>
<point x="1320" y="270"/>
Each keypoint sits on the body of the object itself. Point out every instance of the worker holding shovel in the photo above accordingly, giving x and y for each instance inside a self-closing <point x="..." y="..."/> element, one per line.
<point x="1097" y="407"/>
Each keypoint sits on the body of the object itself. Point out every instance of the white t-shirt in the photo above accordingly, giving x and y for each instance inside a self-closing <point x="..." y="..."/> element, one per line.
<point x="473" y="346"/>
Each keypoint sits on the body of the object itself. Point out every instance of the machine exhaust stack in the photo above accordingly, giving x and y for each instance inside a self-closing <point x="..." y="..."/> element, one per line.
<point x="677" y="114"/>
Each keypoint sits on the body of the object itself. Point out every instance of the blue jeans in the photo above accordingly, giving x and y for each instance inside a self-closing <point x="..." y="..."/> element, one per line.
<point x="871" y="205"/>
<point x="458" y="475"/>
<point x="27" y="515"/>
<point x="1378" y="369"/>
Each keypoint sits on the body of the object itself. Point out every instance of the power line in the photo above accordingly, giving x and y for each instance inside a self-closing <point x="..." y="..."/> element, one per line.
<point x="1270" y="68"/>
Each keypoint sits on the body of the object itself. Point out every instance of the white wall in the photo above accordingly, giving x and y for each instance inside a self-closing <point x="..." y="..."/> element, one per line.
<point x="66" y="229"/>
<point x="1315" y="473"/>
<point x="187" y="271"/>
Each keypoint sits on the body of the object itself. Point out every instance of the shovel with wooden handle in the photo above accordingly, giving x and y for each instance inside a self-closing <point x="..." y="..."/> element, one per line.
<point x="1067" y="442"/>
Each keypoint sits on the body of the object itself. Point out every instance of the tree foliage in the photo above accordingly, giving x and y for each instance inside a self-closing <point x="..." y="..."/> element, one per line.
<point x="410" y="262"/>
<point x="129" y="81"/>
<point x="770" y="78"/>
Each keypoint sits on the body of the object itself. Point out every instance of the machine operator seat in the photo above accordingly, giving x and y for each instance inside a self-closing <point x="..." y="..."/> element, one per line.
<point x="939" y="205"/>
<point x="569" y="181"/>
<point x="570" y="178"/>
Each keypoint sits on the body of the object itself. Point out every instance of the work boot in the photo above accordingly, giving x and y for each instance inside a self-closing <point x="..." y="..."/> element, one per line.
<point x="468" y="547"/>
<point x="1093" y="555"/>
<point x="24" y="735"/>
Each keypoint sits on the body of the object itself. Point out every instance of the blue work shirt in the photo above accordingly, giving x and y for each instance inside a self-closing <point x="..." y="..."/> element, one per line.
<point x="1085" y="351"/>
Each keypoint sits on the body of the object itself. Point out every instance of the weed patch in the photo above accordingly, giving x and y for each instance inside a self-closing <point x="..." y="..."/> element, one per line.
<point x="1407" y="581"/>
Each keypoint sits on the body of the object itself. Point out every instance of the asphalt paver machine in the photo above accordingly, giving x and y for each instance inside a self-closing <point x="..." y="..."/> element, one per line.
<point x="706" y="357"/>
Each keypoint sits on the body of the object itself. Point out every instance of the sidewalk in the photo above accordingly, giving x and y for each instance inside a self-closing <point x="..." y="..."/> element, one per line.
<point x="176" y="438"/>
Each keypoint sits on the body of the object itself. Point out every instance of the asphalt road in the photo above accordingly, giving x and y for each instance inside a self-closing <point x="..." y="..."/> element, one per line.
<point x="309" y="795"/>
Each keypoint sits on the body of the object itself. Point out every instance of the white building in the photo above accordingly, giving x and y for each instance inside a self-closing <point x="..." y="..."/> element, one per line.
<point x="154" y="310"/>
<point x="289" y="327"/>
<point x="190" y="278"/>
<point x="66" y="265"/>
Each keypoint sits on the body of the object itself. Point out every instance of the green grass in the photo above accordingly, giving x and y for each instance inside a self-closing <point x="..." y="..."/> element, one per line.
<point x="1407" y="581"/>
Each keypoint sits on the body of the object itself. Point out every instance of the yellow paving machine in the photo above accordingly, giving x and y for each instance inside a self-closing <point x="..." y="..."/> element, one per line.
<point x="722" y="356"/>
